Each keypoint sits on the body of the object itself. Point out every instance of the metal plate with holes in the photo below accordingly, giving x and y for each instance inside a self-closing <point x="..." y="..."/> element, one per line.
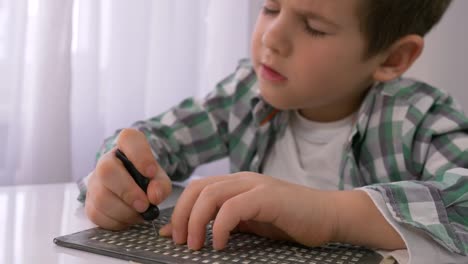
<point x="140" y="244"/>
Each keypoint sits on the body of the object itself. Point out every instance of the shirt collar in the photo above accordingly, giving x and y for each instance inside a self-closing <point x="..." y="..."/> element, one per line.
<point x="364" y="113"/>
<point x="263" y="112"/>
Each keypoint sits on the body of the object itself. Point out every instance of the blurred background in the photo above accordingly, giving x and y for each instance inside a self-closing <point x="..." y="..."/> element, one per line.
<point x="73" y="72"/>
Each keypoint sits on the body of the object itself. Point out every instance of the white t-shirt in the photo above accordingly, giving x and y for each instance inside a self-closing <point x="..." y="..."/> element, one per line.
<point x="310" y="154"/>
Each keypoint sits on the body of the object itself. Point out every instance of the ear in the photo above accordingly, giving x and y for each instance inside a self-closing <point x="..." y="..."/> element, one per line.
<point x="399" y="57"/>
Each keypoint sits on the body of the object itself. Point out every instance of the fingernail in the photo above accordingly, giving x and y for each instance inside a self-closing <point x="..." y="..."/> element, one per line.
<point x="159" y="194"/>
<point x="151" y="171"/>
<point x="139" y="205"/>
<point x="175" y="237"/>
<point x="217" y="246"/>
<point x="191" y="242"/>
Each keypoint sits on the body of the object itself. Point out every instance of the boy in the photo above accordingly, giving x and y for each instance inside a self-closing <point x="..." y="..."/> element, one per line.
<point x="321" y="109"/>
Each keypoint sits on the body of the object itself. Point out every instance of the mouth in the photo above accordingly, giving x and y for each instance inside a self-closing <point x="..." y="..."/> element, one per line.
<point x="270" y="74"/>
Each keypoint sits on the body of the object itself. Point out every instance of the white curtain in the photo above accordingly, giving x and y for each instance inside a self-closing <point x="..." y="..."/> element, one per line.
<point x="35" y="90"/>
<point x="74" y="72"/>
<point x="71" y="73"/>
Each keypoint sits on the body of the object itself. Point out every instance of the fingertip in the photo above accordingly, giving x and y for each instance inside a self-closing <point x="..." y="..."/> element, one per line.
<point x="220" y="236"/>
<point x="193" y="243"/>
<point x="154" y="192"/>
<point x="158" y="191"/>
<point x="140" y="205"/>
<point x="150" y="171"/>
<point x="219" y="244"/>
<point x="166" y="231"/>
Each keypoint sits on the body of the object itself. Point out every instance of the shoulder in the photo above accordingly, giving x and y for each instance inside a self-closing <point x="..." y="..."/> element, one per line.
<point x="405" y="92"/>
<point x="244" y="73"/>
<point x="241" y="85"/>
<point x="244" y="66"/>
<point x="245" y="77"/>
<point x="415" y="103"/>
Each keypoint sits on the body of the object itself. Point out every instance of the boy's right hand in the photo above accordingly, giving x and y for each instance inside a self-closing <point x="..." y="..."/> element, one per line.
<point x="114" y="201"/>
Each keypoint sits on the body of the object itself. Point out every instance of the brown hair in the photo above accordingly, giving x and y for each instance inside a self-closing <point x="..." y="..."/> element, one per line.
<point x="385" y="21"/>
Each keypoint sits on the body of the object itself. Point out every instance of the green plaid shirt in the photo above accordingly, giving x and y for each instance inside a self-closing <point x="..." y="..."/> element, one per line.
<point x="409" y="143"/>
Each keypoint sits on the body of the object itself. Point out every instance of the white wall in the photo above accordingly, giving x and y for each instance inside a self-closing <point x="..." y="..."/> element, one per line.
<point x="444" y="62"/>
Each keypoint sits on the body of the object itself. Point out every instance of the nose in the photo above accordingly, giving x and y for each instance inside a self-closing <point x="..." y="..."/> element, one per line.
<point x="276" y="39"/>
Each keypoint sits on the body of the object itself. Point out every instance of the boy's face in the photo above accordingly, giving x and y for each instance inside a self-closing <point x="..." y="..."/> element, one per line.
<point x="309" y="55"/>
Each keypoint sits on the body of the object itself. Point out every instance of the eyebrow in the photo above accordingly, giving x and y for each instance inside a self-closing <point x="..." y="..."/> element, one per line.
<point x="312" y="15"/>
<point x="315" y="16"/>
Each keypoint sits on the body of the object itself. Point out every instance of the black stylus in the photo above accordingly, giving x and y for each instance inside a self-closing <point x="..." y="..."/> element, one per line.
<point x="153" y="211"/>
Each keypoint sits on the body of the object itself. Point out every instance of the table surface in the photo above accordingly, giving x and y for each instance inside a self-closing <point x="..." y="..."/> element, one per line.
<point x="32" y="216"/>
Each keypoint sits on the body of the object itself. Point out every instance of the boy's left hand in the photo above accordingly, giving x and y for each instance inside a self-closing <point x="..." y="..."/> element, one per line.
<point x="255" y="203"/>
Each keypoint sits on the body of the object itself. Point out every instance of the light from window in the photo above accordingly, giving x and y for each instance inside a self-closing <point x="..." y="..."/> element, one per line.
<point x="3" y="29"/>
<point x="3" y="142"/>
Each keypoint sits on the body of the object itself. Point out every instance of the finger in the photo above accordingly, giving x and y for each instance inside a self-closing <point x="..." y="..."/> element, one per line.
<point x="244" y="207"/>
<point x="184" y="205"/>
<point x="166" y="230"/>
<point x="111" y="205"/>
<point x="159" y="188"/>
<point x="137" y="149"/>
<point x="206" y="206"/>
<point x="101" y="219"/>
<point x="111" y="173"/>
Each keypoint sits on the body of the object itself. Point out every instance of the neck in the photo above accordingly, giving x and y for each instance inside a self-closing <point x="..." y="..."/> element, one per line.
<point x="336" y="111"/>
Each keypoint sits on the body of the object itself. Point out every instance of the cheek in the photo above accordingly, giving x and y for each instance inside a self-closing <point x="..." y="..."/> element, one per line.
<point x="328" y="64"/>
<point x="317" y="70"/>
<point x="321" y="75"/>
<point x="256" y="46"/>
<point x="256" y="43"/>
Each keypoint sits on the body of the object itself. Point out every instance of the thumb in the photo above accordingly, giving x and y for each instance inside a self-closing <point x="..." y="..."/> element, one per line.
<point x="137" y="149"/>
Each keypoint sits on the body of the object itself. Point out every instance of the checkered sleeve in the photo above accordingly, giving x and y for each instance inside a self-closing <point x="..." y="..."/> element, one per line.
<point x="437" y="202"/>
<point x="192" y="133"/>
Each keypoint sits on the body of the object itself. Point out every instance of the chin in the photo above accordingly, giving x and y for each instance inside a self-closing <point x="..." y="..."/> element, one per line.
<point x="276" y="101"/>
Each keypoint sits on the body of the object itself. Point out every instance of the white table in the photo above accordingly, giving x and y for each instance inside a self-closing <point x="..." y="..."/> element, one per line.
<point x="32" y="216"/>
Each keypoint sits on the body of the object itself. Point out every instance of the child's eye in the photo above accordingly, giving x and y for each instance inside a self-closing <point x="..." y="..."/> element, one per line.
<point x="314" y="32"/>
<point x="269" y="11"/>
